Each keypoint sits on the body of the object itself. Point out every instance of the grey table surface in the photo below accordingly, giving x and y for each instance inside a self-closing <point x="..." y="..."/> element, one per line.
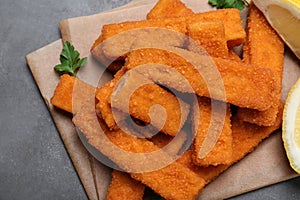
<point x="33" y="161"/>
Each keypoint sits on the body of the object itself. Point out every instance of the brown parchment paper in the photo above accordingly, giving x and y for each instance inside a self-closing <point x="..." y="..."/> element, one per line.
<point x="266" y="165"/>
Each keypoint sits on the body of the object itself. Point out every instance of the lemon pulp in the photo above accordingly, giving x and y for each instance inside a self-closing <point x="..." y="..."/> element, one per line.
<point x="297" y="127"/>
<point x="284" y="17"/>
<point x="286" y="24"/>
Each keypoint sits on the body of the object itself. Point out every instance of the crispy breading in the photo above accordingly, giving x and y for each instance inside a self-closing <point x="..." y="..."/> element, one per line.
<point x="263" y="48"/>
<point x="71" y="101"/>
<point x="234" y="31"/>
<point x="207" y="173"/>
<point x="255" y="88"/>
<point x="144" y="100"/>
<point x="270" y="54"/>
<point x="145" y="97"/>
<point x="103" y="96"/>
<point x="246" y="54"/>
<point x="112" y="65"/>
<point x="122" y="43"/>
<point x="70" y="93"/>
<point x="176" y="145"/>
<point x="210" y="35"/>
<point x="246" y="137"/>
<point x="122" y="187"/>
<point x="169" y="9"/>
<point x="116" y="40"/>
<point x="221" y="152"/>
<point x="174" y="181"/>
<point x="62" y="97"/>
<point x="141" y="102"/>
<point x="150" y="95"/>
<point x="103" y="105"/>
<point x="111" y="143"/>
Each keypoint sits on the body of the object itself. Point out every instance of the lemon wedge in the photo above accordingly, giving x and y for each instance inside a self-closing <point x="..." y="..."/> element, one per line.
<point x="291" y="127"/>
<point x="284" y="17"/>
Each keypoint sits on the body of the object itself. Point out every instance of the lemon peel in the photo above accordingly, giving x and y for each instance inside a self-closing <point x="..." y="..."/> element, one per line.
<point x="291" y="127"/>
<point x="284" y="17"/>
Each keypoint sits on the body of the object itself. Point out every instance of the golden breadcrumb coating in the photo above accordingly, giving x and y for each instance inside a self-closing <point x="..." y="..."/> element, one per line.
<point x="210" y="35"/>
<point x="263" y="48"/>
<point x="255" y="84"/>
<point x="122" y="187"/>
<point x="169" y="9"/>
<point x="221" y="153"/>
<point x="245" y="138"/>
<point x="107" y="47"/>
<point x="174" y="181"/>
<point x="70" y="93"/>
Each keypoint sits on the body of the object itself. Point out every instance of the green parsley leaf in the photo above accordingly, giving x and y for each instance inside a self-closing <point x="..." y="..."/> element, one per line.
<point x="239" y="4"/>
<point x="69" y="59"/>
<point x="213" y="2"/>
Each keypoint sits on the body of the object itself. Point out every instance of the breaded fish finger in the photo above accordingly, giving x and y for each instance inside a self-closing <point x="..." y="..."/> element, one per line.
<point x="210" y="36"/>
<point x="269" y="55"/>
<point x="234" y="31"/>
<point x="254" y="91"/>
<point x="103" y="96"/>
<point x="122" y="187"/>
<point x="169" y="9"/>
<point x="246" y="137"/>
<point x="221" y="152"/>
<point x="172" y="182"/>
<point x="70" y="93"/>
<point x="144" y="101"/>
<point x="123" y="41"/>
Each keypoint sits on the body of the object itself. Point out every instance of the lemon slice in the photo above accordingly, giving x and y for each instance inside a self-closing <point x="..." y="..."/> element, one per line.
<point x="291" y="127"/>
<point x="284" y="17"/>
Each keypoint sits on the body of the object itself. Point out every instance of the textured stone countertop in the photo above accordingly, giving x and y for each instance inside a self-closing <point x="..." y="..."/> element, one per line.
<point x="33" y="161"/>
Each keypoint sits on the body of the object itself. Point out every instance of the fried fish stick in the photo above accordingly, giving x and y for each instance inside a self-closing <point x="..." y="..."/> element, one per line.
<point x="207" y="173"/>
<point x="210" y="36"/>
<point x="269" y="55"/>
<point x="144" y="101"/>
<point x="122" y="186"/>
<point x="67" y="99"/>
<point x="117" y="39"/>
<point x="172" y="182"/>
<point x="169" y="9"/>
<point x="234" y="32"/>
<point x="221" y="153"/>
<point x="70" y="93"/>
<point x="175" y="8"/>
<point x="246" y="137"/>
<point x="103" y="96"/>
<point x="141" y="104"/>
<point x="255" y="88"/>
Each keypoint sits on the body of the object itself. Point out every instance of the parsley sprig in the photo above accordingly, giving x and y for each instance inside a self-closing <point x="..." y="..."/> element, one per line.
<point x="239" y="4"/>
<point x="69" y="59"/>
